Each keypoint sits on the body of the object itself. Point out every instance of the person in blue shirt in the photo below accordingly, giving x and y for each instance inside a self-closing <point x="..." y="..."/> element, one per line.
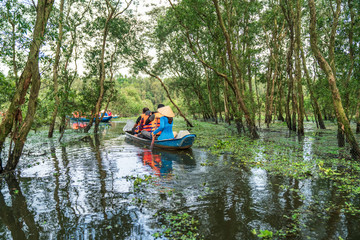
<point x="166" y="124"/>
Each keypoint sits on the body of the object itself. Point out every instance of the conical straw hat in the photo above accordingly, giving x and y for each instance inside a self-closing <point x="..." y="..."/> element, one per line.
<point x="166" y="111"/>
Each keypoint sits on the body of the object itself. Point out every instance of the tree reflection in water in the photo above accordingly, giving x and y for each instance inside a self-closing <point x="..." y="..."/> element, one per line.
<point x="80" y="190"/>
<point x="17" y="217"/>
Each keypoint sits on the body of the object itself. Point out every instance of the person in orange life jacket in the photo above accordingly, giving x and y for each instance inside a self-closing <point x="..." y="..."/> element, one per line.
<point x="135" y="128"/>
<point x="145" y="129"/>
<point x="154" y="121"/>
<point x="76" y="114"/>
<point x="152" y="117"/>
<point x="166" y="124"/>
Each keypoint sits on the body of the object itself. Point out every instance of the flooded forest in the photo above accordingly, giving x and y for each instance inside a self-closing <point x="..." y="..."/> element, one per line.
<point x="264" y="101"/>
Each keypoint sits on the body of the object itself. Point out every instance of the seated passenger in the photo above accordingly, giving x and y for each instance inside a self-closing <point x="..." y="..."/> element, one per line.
<point x="155" y="115"/>
<point x="136" y="127"/>
<point x="145" y="129"/>
<point x="166" y="124"/>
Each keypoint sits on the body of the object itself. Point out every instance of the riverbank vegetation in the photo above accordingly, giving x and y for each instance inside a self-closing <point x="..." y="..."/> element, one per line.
<point x="236" y="62"/>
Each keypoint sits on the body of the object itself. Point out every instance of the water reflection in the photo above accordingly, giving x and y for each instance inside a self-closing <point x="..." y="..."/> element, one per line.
<point x="80" y="190"/>
<point x="78" y="125"/>
<point x="17" y="217"/>
<point x="161" y="161"/>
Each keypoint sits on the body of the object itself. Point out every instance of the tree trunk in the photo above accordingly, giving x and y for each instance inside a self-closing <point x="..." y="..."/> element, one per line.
<point x="55" y="71"/>
<point x="210" y="95"/>
<point x="226" y="103"/>
<point x="288" y="117"/>
<point x="324" y="65"/>
<point x="315" y="103"/>
<point x="358" y="115"/>
<point x="298" y="70"/>
<point x="238" y="95"/>
<point x="351" y="52"/>
<point x="268" y="91"/>
<point x="20" y="138"/>
<point x="258" y="100"/>
<point x="14" y="111"/>
<point x="280" y="97"/>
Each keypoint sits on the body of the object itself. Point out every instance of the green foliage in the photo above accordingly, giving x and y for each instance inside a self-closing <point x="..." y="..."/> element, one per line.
<point x="16" y="23"/>
<point x="7" y="86"/>
<point x="178" y="226"/>
<point x="140" y="181"/>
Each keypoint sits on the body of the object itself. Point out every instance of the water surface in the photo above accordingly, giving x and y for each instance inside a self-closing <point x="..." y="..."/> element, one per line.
<point x="84" y="188"/>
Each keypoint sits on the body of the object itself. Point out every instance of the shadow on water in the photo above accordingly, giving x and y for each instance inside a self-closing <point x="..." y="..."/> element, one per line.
<point x="80" y="189"/>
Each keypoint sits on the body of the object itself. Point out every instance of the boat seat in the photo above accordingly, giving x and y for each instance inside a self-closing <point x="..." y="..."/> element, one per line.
<point x="182" y="133"/>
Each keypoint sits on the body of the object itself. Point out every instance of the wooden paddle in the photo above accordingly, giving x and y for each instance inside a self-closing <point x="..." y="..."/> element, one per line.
<point x="152" y="142"/>
<point x="153" y="138"/>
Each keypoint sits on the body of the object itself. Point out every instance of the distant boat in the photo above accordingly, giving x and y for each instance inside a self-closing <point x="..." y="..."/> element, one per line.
<point x="105" y="119"/>
<point x="173" y="144"/>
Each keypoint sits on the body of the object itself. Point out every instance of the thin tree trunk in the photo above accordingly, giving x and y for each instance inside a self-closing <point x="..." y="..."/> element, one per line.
<point x="336" y="14"/>
<point x="238" y="95"/>
<point x="351" y="52"/>
<point x="315" y="103"/>
<point x="55" y="71"/>
<point x="280" y="97"/>
<point x="290" y="87"/>
<point x="291" y="97"/>
<point x="358" y="115"/>
<point x="272" y="76"/>
<point x="268" y="91"/>
<point x="339" y="110"/>
<point x="226" y="102"/>
<point x="102" y="75"/>
<point x="14" y="111"/>
<point x="67" y="84"/>
<point x="300" y="94"/>
<point x="112" y="14"/>
<point x="210" y="95"/>
<point x="258" y="100"/>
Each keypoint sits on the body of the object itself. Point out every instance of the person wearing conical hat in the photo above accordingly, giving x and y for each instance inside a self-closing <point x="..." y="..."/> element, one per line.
<point x="166" y="123"/>
<point x="153" y="115"/>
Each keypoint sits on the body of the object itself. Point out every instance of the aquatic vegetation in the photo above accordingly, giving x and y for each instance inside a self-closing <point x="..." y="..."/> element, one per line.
<point x="178" y="226"/>
<point x="286" y="157"/>
<point x="140" y="181"/>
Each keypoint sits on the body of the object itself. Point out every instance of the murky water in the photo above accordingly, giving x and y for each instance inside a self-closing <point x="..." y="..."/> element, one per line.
<point x="84" y="189"/>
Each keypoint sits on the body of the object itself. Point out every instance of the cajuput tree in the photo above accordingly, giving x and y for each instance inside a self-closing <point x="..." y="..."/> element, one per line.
<point x="13" y="121"/>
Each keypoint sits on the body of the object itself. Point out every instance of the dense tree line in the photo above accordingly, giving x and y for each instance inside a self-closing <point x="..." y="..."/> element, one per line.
<point x="281" y="59"/>
<point x="242" y="61"/>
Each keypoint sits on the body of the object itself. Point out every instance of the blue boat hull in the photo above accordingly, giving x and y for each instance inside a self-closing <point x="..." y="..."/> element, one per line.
<point x="173" y="144"/>
<point x="105" y="119"/>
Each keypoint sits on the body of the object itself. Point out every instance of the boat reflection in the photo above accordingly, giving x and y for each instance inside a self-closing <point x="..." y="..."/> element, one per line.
<point x="161" y="161"/>
<point x="78" y="125"/>
<point x="82" y="125"/>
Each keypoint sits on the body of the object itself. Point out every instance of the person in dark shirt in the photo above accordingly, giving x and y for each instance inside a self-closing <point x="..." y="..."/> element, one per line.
<point x="137" y="123"/>
<point x="152" y="117"/>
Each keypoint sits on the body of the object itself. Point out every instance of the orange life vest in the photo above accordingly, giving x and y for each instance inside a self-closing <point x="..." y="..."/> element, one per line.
<point x="146" y="127"/>
<point x="76" y="114"/>
<point x="156" y="123"/>
<point x="138" y="126"/>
